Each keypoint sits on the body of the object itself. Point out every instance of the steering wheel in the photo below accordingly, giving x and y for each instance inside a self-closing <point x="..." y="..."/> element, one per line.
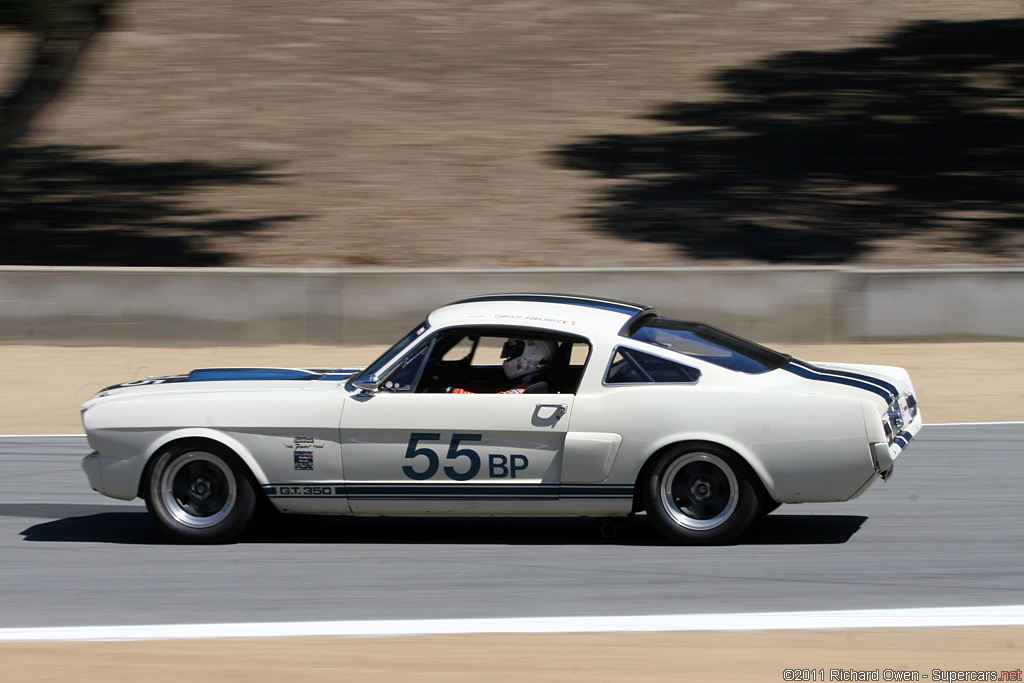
<point x="436" y="378"/>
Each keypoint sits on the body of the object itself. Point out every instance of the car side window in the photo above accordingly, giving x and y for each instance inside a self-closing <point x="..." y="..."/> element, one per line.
<point x="629" y="366"/>
<point x="471" y="359"/>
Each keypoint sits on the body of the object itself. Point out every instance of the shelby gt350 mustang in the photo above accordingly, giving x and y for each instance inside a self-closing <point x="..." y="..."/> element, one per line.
<point x="542" y="405"/>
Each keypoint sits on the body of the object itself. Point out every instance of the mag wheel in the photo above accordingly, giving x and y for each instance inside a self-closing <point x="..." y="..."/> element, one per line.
<point x="701" y="495"/>
<point x="202" y="495"/>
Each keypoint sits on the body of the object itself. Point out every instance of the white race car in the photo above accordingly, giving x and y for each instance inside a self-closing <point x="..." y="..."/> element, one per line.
<point x="517" y="405"/>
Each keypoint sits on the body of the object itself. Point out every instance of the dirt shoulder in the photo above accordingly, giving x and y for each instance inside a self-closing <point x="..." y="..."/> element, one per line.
<point x="44" y="385"/>
<point x="757" y="657"/>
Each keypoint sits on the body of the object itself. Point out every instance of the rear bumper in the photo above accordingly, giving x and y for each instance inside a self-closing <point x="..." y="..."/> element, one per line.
<point x="883" y="460"/>
<point x="883" y="455"/>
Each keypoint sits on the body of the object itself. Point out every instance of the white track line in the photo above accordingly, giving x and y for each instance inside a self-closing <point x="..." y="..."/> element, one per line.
<point x="1011" y="615"/>
<point x="970" y="424"/>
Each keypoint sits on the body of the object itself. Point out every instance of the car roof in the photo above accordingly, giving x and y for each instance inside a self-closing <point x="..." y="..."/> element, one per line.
<point x="583" y="315"/>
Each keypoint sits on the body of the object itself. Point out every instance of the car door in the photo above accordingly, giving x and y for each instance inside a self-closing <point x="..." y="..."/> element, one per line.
<point x="452" y="453"/>
<point x="406" y="452"/>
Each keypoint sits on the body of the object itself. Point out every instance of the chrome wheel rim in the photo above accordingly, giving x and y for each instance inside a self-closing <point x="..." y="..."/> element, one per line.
<point x="198" y="490"/>
<point x="699" y="491"/>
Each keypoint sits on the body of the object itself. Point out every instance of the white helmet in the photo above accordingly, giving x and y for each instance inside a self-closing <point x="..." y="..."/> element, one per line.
<point x="526" y="356"/>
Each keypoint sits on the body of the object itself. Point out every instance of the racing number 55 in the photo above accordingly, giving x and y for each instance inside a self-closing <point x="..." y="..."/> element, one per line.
<point x="433" y="460"/>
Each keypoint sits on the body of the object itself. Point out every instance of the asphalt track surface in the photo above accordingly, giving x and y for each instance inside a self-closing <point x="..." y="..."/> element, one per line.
<point x="945" y="531"/>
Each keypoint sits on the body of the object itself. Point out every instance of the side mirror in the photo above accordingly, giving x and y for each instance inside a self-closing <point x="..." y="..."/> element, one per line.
<point x="367" y="386"/>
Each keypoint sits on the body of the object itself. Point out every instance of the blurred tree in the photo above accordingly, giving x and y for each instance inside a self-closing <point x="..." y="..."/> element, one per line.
<point x="62" y="30"/>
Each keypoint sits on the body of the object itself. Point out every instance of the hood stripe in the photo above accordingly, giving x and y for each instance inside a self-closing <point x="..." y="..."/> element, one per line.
<point x="242" y="374"/>
<point x="808" y="371"/>
<point x="250" y="374"/>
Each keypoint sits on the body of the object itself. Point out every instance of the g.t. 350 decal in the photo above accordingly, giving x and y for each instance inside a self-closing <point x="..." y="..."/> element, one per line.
<point x="465" y="462"/>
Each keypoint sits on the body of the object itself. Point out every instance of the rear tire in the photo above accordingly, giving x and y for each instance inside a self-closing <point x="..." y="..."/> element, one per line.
<point x="200" y="494"/>
<point x="701" y="494"/>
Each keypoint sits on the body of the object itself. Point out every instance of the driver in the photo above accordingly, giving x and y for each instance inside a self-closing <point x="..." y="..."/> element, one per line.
<point x="525" y="360"/>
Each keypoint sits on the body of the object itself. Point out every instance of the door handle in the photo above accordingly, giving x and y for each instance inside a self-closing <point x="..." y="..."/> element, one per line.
<point x="560" y="408"/>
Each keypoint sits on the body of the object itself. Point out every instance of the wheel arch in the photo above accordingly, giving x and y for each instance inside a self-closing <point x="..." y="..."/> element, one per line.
<point x="201" y="437"/>
<point x="696" y="443"/>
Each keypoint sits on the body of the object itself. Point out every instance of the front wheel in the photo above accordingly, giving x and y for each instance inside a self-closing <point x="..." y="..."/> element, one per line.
<point x="200" y="494"/>
<point x="701" y="495"/>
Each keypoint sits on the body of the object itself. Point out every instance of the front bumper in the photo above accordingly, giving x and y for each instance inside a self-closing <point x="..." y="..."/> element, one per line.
<point x="94" y="471"/>
<point x="113" y="477"/>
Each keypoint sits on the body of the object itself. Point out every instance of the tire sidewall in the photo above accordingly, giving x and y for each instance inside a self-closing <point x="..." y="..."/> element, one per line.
<point x="230" y="527"/>
<point x="743" y="512"/>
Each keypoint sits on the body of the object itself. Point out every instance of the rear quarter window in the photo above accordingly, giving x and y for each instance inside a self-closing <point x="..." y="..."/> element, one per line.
<point x="709" y="344"/>
<point x="630" y="366"/>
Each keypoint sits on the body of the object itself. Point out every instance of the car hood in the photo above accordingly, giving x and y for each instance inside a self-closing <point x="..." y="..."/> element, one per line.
<point x="194" y="379"/>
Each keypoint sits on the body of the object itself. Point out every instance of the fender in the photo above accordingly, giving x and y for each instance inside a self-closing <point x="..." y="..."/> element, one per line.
<point x="722" y="440"/>
<point x="212" y="435"/>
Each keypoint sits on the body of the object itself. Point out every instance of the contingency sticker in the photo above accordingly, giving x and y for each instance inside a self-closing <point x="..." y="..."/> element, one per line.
<point x="303" y="448"/>
<point x="304" y="460"/>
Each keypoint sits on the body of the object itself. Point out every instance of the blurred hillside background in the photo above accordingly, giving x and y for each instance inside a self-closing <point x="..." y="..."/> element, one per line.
<point x="466" y="133"/>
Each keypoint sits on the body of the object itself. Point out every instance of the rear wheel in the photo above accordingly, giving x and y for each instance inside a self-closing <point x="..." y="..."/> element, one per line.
<point x="701" y="494"/>
<point x="200" y="494"/>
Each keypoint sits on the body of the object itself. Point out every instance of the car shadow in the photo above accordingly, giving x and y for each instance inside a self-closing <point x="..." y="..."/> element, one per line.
<point x="125" y="526"/>
<point x="790" y="529"/>
<point x="135" y="527"/>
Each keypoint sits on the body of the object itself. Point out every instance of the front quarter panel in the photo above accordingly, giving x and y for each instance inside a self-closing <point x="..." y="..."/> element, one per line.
<point x="265" y="429"/>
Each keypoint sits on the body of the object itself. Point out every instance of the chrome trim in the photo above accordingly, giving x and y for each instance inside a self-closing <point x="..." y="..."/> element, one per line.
<point x="701" y="488"/>
<point x="560" y="408"/>
<point x="184" y="493"/>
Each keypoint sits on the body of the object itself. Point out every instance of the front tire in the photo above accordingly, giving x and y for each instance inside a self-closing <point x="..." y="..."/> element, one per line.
<point x="701" y="494"/>
<point x="200" y="494"/>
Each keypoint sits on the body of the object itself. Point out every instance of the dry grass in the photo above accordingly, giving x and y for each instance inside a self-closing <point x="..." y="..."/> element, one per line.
<point x="420" y="133"/>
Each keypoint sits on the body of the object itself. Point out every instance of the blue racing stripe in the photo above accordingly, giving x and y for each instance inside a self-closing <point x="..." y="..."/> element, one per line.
<point x="891" y="388"/>
<point x="595" y="491"/>
<point x="250" y="374"/>
<point x="495" y="491"/>
<point x="807" y="371"/>
<point x="451" y="491"/>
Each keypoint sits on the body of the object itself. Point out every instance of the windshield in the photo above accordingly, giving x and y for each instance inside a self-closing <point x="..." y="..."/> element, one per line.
<point x="710" y="344"/>
<point x="405" y="342"/>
